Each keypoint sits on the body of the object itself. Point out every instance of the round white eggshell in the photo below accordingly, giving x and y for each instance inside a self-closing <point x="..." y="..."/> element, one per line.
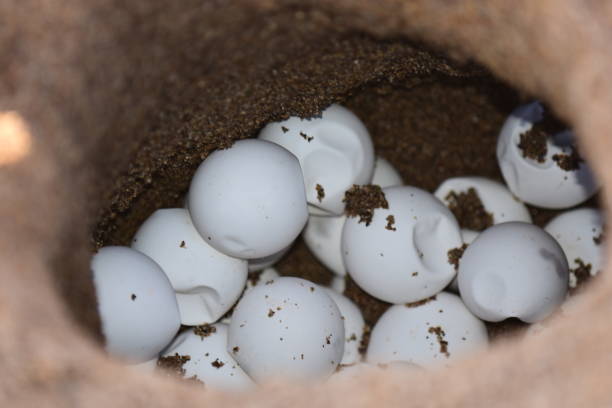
<point x="207" y="282"/>
<point x="136" y="303"/>
<point x="403" y="333"/>
<point x="385" y="175"/>
<point x="545" y="184"/>
<point x="513" y="269"/>
<point x="409" y="263"/>
<point x="248" y="201"/>
<point x="339" y="154"/>
<point x="353" y="326"/>
<point x="288" y="328"/>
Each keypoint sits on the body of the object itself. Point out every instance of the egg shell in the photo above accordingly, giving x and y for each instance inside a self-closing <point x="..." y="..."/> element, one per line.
<point x="544" y="184"/>
<point x="210" y="361"/>
<point x="338" y="284"/>
<point x="353" y="326"/>
<point x="323" y="234"/>
<point x="513" y="269"/>
<point x="416" y="334"/>
<point x="495" y="197"/>
<point x="408" y="262"/>
<point x="287" y="329"/>
<point x="259" y="264"/>
<point x="207" y="282"/>
<point x="136" y="303"/>
<point x="248" y="201"/>
<point x="577" y="232"/>
<point x="335" y="151"/>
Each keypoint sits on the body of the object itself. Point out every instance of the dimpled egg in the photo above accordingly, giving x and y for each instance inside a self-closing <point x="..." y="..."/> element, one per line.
<point x="136" y="303"/>
<point x="248" y="201"/>
<point x="402" y="256"/>
<point x="323" y="235"/>
<point x="209" y="360"/>
<point x="513" y="269"/>
<point x="288" y="328"/>
<point x="207" y="282"/>
<point x="334" y="150"/>
<point x="435" y="332"/>
<point x="579" y="232"/>
<point x="538" y="178"/>
<point x="353" y="326"/>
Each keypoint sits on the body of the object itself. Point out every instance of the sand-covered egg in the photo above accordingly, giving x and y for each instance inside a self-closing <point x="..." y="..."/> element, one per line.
<point x="249" y="201"/>
<point x="353" y="326"/>
<point x="580" y="234"/>
<point x="402" y="254"/>
<point x="288" y="328"/>
<point x="136" y="303"/>
<point x="207" y="282"/>
<point x="539" y="160"/>
<point x="432" y="332"/>
<point x="513" y="269"/>
<point x="334" y="150"/>
<point x="203" y="350"/>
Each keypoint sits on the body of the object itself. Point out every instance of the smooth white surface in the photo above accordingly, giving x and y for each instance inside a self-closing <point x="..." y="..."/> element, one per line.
<point x="136" y="303"/>
<point x="323" y="234"/>
<point x="513" y="270"/>
<point x="402" y="333"/>
<point x="203" y="352"/>
<point x="575" y="231"/>
<point x="260" y="264"/>
<point x="410" y="263"/>
<point x="545" y="184"/>
<point x="468" y="237"/>
<point x="288" y="329"/>
<point x="248" y="201"/>
<point x="338" y="283"/>
<point x="207" y="282"/>
<point x="353" y="326"/>
<point x="495" y="197"/>
<point x="339" y="154"/>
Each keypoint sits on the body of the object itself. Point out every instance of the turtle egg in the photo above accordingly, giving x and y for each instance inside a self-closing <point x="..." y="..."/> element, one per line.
<point x="207" y="282"/>
<point x="579" y="232"/>
<point x="497" y="200"/>
<point x="541" y="166"/>
<point x="334" y="150"/>
<point x="288" y="328"/>
<point x="209" y="360"/>
<point x="403" y="255"/>
<point x="433" y="332"/>
<point x="323" y="234"/>
<point x="136" y="303"/>
<point x="260" y="264"/>
<point x="513" y="269"/>
<point x="353" y="326"/>
<point x="248" y="201"/>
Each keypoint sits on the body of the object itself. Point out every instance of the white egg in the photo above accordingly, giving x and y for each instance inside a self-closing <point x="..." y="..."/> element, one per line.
<point x="207" y="282"/>
<point x="495" y="197"/>
<point x="468" y="237"/>
<point x="323" y="234"/>
<point x="288" y="329"/>
<point x="259" y="264"/>
<point x="209" y="359"/>
<point x="334" y="150"/>
<point x="267" y="275"/>
<point x="513" y="269"/>
<point x="543" y="184"/>
<point x="136" y="303"/>
<point x="434" y="333"/>
<point x="338" y="283"/>
<point x="407" y="260"/>
<point x="579" y="233"/>
<point x="248" y="201"/>
<point x="353" y="326"/>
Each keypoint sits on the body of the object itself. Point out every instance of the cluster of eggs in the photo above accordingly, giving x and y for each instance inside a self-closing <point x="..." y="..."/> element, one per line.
<point x="247" y="204"/>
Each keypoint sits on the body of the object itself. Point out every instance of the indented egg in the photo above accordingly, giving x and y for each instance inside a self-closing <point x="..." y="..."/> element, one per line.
<point x="207" y="282"/>
<point x="403" y="255"/>
<point x="136" y="303"/>
<point x="248" y="201"/>
<point x="513" y="269"/>
<point x="334" y="150"/>
<point x="208" y="359"/>
<point x="353" y="326"/>
<point x="542" y="167"/>
<point x="433" y="332"/>
<point x="288" y="328"/>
